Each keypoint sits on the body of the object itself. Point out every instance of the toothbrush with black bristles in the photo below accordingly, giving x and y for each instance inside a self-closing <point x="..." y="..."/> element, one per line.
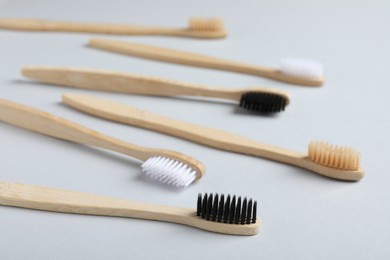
<point x="260" y="99"/>
<point x="235" y="216"/>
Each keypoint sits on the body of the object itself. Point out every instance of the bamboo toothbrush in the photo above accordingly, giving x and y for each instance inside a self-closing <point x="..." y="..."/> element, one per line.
<point x="292" y="70"/>
<point x="262" y="100"/>
<point x="163" y="165"/>
<point x="213" y="213"/>
<point x="197" y="27"/>
<point x="322" y="158"/>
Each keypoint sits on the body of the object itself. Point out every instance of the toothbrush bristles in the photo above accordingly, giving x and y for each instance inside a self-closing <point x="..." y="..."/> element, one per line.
<point x="344" y="158"/>
<point x="206" y="24"/>
<point x="169" y="171"/>
<point x="242" y="212"/>
<point x="263" y="102"/>
<point x="300" y="68"/>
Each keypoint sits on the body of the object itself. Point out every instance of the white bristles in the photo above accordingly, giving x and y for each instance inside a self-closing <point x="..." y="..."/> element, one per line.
<point x="169" y="171"/>
<point x="301" y="68"/>
<point x="345" y="158"/>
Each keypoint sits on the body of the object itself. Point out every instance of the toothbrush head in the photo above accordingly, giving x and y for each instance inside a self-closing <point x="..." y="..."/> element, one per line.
<point x="170" y="171"/>
<point x="311" y="71"/>
<point x="213" y="26"/>
<point x="263" y="102"/>
<point x="231" y="211"/>
<point x="338" y="157"/>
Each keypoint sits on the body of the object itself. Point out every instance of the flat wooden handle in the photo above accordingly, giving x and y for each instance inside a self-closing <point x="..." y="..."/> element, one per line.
<point x="180" y="57"/>
<point x="51" y="125"/>
<point x="200" y="134"/>
<point x="58" y="200"/>
<point x="58" y="26"/>
<point x="124" y="82"/>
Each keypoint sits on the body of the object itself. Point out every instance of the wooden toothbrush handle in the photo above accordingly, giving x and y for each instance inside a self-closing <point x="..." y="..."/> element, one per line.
<point x="58" y="200"/>
<point x="51" y="125"/>
<point x="123" y="82"/>
<point x="180" y="57"/>
<point x="200" y="134"/>
<point x="58" y="26"/>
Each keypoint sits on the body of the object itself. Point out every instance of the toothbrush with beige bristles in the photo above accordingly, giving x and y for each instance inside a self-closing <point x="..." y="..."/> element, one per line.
<point x="260" y="99"/>
<point x="291" y="70"/>
<point x="332" y="161"/>
<point x="197" y="27"/>
<point x="166" y="166"/>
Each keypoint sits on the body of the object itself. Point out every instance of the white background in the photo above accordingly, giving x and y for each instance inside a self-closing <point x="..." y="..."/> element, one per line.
<point x="305" y="216"/>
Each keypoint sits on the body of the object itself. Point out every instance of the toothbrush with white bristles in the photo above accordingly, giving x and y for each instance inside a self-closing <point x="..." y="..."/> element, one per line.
<point x="166" y="166"/>
<point x="291" y="70"/>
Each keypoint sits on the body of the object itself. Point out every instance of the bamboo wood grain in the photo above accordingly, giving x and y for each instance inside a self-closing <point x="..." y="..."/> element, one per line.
<point x="103" y="80"/>
<point x="58" y="200"/>
<point x="200" y="134"/>
<point x="48" y="124"/>
<point x="194" y="59"/>
<point x="102" y="28"/>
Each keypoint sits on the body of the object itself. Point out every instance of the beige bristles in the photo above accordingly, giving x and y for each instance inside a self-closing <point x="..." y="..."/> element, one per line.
<point x="206" y="24"/>
<point x="345" y="158"/>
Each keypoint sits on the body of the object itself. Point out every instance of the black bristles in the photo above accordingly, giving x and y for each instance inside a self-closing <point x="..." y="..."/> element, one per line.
<point x="226" y="212"/>
<point x="199" y="205"/>
<point x="204" y="206"/>
<point x="232" y="210"/>
<point x="215" y="208"/>
<point x="254" y="217"/>
<point x="243" y="213"/>
<point x="249" y="214"/>
<point x="220" y="208"/>
<point x="209" y="207"/>
<point x="263" y="102"/>
<point x="237" y="215"/>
